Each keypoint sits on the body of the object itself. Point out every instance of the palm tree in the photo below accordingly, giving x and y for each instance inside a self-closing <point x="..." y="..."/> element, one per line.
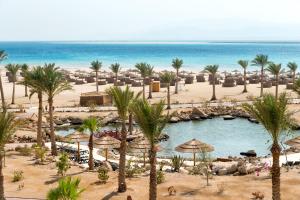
<point x="167" y="77"/>
<point x="92" y="125"/>
<point x="150" y="73"/>
<point x="261" y="61"/>
<point x="293" y="67"/>
<point x="67" y="189"/>
<point x="3" y="56"/>
<point x="244" y="65"/>
<point x="24" y="69"/>
<point x="151" y="121"/>
<point x="13" y="69"/>
<point x="142" y="68"/>
<point x="96" y="66"/>
<point x="53" y="84"/>
<point x="8" y="126"/>
<point x="275" y="69"/>
<point x="273" y="114"/>
<point x="115" y="68"/>
<point x="177" y="64"/>
<point x="213" y="70"/>
<point x="122" y="100"/>
<point x="34" y="80"/>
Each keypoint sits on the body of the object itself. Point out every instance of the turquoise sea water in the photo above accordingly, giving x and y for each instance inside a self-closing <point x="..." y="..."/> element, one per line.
<point x="229" y="137"/>
<point x="195" y="54"/>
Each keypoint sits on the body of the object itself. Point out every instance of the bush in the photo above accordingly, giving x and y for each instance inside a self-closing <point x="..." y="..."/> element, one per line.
<point x="40" y="153"/>
<point x="131" y="171"/>
<point x="24" y="151"/>
<point x="67" y="189"/>
<point x="160" y="177"/>
<point x="103" y="174"/>
<point x="196" y="170"/>
<point x="177" y="162"/>
<point x="63" y="164"/>
<point x="17" y="176"/>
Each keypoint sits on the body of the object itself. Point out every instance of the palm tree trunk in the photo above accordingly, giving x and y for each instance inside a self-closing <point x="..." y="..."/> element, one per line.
<point x="130" y="124"/>
<point x="2" y="95"/>
<point x="122" y="184"/>
<point x="276" y="89"/>
<point x="97" y="87"/>
<point x="214" y="88"/>
<point x="91" y="158"/>
<point x="26" y="91"/>
<point x="245" y="82"/>
<point x="116" y="80"/>
<point x="39" y="122"/>
<point x="168" y="97"/>
<point x="1" y="178"/>
<point x="150" y="89"/>
<point x="176" y="86"/>
<point x="52" y="134"/>
<point x="144" y="89"/>
<point x="152" y="185"/>
<point x="13" y="93"/>
<point x="275" y="171"/>
<point x="261" y="81"/>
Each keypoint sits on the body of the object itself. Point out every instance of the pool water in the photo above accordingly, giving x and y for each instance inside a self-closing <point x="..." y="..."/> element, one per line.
<point x="229" y="137"/>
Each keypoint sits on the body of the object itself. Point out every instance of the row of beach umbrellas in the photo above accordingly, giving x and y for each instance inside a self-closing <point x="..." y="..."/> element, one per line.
<point x="139" y="145"/>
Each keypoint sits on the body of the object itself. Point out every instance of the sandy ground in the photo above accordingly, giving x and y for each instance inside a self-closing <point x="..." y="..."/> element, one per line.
<point x="38" y="179"/>
<point x="192" y="93"/>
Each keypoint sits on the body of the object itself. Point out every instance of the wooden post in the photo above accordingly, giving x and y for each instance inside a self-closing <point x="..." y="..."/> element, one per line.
<point x="106" y="153"/>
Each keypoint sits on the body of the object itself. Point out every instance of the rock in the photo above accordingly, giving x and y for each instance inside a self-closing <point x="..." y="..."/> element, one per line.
<point x="222" y="172"/>
<point x="185" y="117"/>
<point x="228" y="117"/>
<point x="58" y="122"/>
<point x="253" y="120"/>
<point x="75" y="120"/>
<point x="199" y="113"/>
<point x="236" y="174"/>
<point x="194" y="117"/>
<point x="174" y="120"/>
<point x="232" y="169"/>
<point x="110" y="118"/>
<point x="240" y="163"/>
<point x="224" y="159"/>
<point x="242" y="170"/>
<point x="250" y="153"/>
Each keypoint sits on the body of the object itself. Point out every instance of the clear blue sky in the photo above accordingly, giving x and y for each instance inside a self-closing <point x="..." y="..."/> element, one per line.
<point x="149" y="20"/>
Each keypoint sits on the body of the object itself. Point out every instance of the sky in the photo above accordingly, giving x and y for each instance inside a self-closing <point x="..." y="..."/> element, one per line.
<point x="90" y="20"/>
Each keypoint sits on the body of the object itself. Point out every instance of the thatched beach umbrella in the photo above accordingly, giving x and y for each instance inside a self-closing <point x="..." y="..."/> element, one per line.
<point x="194" y="146"/>
<point x="141" y="146"/>
<point x="295" y="142"/>
<point x="77" y="137"/>
<point x="107" y="142"/>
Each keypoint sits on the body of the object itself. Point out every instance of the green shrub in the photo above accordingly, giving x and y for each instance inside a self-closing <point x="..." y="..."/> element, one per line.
<point x="103" y="174"/>
<point x="196" y="170"/>
<point x="67" y="189"/>
<point x="160" y="177"/>
<point x="17" y="176"/>
<point x="131" y="171"/>
<point x="176" y="163"/>
<point x="24" y="151"/>
<point x="63" y="164"/>
<point x="40" y="153"/>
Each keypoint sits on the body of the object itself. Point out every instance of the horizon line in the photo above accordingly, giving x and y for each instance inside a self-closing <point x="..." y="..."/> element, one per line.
<point x="158" y="41"/>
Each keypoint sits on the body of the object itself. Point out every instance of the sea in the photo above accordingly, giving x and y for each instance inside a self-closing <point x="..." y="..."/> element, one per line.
<point x="195" y="54"/>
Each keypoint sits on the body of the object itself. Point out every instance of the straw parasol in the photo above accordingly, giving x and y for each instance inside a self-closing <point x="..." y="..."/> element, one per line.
<point x="295" y="142"/>
<point x="106" y="142"/>
<point x="77" y="137"/>
<point x="141" y="146"/>
<point x="194" y="146"/>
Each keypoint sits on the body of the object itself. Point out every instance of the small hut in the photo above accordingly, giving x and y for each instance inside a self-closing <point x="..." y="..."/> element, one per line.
<point x="98" y="98"/>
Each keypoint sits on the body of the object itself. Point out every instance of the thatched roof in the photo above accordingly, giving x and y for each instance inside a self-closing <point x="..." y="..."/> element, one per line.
<point x="194" y="146"/>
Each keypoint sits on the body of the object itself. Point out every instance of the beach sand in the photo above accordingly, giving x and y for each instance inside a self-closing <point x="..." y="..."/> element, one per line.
<point x="38" y="179"/>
